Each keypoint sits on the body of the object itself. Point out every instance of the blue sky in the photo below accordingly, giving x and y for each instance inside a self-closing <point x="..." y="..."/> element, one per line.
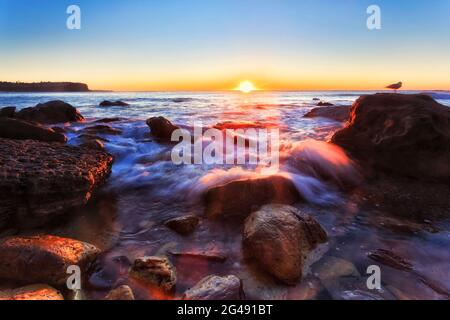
<point x="211" y="44"/>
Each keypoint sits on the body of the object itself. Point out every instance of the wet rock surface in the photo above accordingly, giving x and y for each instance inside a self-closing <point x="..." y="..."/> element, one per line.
<point x="41" y="180"/>
<point x="120" y="293"/>
<point x="155" y="272"/>
<point x="33" y="292"/>
<point x="280" y="238"/>
<point x="239" y="198"/>
<point x="341" y="113"/>
<point x="161" y="128"/>
<point x="183" y="225"/>
<point x="43" y="259"/>
<point x="101" y="129"/>
<point x="50" y="112"/>
<point x="216" y="288"/>
<point x="118" y="103"/>
<point x="402" y="134"/>
<point x="7" y="112"/>
<point x="22" y="130"/>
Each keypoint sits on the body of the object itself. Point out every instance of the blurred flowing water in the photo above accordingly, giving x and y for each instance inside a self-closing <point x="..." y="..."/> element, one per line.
<point x="127" y="218"/>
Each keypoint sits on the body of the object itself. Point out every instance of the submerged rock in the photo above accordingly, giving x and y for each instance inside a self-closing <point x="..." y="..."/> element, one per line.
<point x="117" y="103"/>
<point x="156" y="272"/>
<point x="43" y="258"/>
<point x="22" y="130"/>
<point x="101" y="129"/>
<point x="210" y="254"/>
<point x="120" y="293"/>
<point x="216" y="288"/>
<point x="7" y="112"/>
<point x="340" y="113"/>
<point x="93" y="144"/>
<point x="50" y="112"/>
<point x="239" y="198"/>
<point x="161" y="128"/>
<point x="33" y="292"/>
<point x="403" y="134"/>
<point x="325" y="104"/>
<point x="41" y="180"/>
<point x="390" y="259"/>
<point x="183" y="225"/>
<point x="280" y="239"/>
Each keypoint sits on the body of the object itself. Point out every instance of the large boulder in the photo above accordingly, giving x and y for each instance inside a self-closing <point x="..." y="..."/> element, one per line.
<point x="18" y="129"/>
<point x="340" y="113"/>
<point x="33" y="292"/>
<point x="216" y="288"/>
<point x="184" y="225"/>
<point x="237" y="199"/>
<point x="41" y="180"/>
<point x="43" y="259"/>
<point x="50" y="112"/>
<point x="402" y="134"/>
<point x="279" y="238"/>
<point x="161" y="128"/>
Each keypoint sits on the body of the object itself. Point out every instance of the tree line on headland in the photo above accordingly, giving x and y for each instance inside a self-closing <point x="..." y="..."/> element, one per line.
<point x="43" y="87"/>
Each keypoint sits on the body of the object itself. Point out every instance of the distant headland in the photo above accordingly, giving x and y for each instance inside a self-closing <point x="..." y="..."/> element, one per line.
<point x="43" y="87"/>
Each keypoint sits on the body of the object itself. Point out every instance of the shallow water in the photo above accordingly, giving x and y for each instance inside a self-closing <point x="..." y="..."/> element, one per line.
<point x="146" y="189"/>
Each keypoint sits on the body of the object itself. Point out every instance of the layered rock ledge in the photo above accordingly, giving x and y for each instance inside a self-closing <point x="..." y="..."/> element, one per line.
<point x="40" y="180"/>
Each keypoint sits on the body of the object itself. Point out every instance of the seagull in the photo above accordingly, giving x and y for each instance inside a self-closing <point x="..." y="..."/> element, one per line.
<point x="395" y="86"/>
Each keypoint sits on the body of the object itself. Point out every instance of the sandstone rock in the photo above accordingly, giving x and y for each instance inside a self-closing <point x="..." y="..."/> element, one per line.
<point x="50" y="112"/>
<point x="117" y="103"/>
<point x="33" y="292"/>
<point x="183" y="225"/>
<point x="403" y="134"/>
<point x="7" y="112"/>
<point x="237" y="199"/>
<point x="22" y="130"/>
<point x="101" y="129"/>
<point x="216" y="288"/>
<point x="161" y="128"/>
<point x="156" y="272"/>
<point x="341" y="113"/>
<point x="93" y="144"/>
<point x="120" y="293"/>
<point x="280" y="238"/>
<point x="41" y="180"/>
<point x="325" y="104"/>
<point x="43" y="258"/>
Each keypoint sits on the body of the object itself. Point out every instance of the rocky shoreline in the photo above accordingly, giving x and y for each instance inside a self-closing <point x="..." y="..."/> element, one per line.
<point x="401" y="143"/>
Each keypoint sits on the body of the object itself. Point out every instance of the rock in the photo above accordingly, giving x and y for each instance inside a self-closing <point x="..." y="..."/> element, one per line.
<point x="7" y="112"/>
<point x="216" y="288"/>
<point x="210" y="254"/>
<point x="17" y="129"/>
<point x="316" y="99"/>
<point x="93" y="144"/>
<point x="340" y="113"/>
<point x="120" y="293"/>
<point x="59" y="130"/>
<point x="403" y="134"/>
<point x="101" y="129"/>
<point x="280" y="239"/>
<point x="331" y="268"/>
<point x="156" y="272"/>
<point x="390" y="259"/>
<point x="43" y="258"/>
<point x="108" y="120"/>
<point x="183" y="225"/>
<point x="33" y="292"/>
<point x="40" y="180"/>
<point x="117" y="103"/>
<point x="161" y="128"/>
<point x="325" y="104"/>
<point x="237" y="199"/>
<point x="51" y="112"/>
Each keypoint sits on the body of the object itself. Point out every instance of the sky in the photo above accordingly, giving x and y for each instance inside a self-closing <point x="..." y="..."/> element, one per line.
<point x="134" y="45"/>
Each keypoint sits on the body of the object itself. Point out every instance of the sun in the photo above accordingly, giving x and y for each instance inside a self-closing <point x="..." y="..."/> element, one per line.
<point x="246" y="87"/>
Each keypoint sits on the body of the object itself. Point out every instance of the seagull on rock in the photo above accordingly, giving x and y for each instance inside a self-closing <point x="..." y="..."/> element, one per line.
<point x="395" y="86"/>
